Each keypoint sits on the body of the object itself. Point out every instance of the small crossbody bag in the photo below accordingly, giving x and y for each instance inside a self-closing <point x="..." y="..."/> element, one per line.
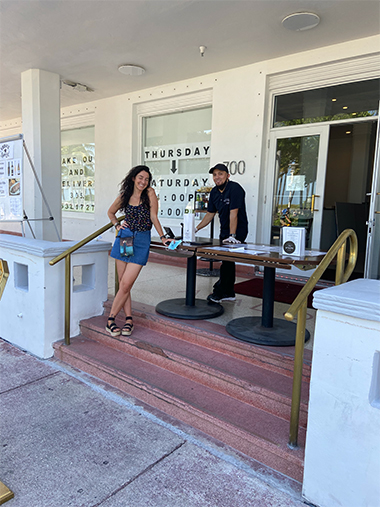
<point x="126" y="246"/>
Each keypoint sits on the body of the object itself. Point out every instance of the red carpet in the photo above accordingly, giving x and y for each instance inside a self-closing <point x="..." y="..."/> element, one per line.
<point x="284" y="291"/>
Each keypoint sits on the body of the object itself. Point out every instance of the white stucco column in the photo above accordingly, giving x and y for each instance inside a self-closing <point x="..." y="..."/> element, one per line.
<point x="342" y="455"/>
<point x="41" y="128"/>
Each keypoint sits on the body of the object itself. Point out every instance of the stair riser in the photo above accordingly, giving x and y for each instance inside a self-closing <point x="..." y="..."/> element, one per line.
<point x="256" y="396"/>
<point x="290" y="464"/>
<point x="246" y="352"/>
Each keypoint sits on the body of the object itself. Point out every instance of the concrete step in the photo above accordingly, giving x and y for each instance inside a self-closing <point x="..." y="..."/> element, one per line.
<point x="236" y="377"/>
<point x="247" y="428"/>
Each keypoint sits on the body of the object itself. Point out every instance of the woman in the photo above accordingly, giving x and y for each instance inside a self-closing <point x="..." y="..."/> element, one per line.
<point x="138" y="201"/>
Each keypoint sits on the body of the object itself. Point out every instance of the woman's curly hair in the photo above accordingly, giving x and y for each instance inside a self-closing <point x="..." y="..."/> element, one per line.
<point x="127" y="185"/>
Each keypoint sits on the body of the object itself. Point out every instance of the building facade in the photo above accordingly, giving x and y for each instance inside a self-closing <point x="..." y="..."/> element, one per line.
<point x="299" y="133"/>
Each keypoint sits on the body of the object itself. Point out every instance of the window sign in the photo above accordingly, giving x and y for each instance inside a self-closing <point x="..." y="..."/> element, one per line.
<point x="177" y="150"/>
<point x="11" y="180"/>
<point x="295" y="183"/>
<point x="176" y="191"/>
<point x="78" y="170"/>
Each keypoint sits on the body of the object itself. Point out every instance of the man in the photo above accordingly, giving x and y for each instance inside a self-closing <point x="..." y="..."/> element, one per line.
<point x="228" y="199"/>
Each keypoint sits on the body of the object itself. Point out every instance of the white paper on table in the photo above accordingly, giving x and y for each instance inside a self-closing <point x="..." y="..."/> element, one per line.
<point x="254" y="252"/>
<point x="314" y="252"/>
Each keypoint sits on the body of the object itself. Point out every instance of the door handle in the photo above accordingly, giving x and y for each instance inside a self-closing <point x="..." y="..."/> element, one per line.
<point x="313" y="202"/>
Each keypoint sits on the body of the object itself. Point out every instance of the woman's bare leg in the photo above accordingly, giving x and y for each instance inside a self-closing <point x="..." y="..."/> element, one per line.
<point x="120" y="268"/>
<point x="127" y="273"/>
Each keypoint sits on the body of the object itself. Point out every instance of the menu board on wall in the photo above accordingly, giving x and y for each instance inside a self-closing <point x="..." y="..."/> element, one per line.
<point x="11" y="179"/>
<point x="78" y="178"/>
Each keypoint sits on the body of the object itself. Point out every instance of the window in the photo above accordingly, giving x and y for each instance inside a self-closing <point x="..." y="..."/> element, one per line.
<point x="333" y="103"/>
<point x="176" y="147"/>
<point x="78" y="170"/>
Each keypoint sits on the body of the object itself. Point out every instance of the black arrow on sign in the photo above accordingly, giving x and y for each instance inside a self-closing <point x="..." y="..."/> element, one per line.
<point x="173" y="168"/>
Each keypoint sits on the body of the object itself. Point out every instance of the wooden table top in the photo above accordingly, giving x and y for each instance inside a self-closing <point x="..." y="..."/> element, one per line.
<point x="262" y="255"/>
<point x="246" y="253"/>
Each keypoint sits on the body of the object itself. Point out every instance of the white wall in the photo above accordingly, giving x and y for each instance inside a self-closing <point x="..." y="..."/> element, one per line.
<point x="33" y="302"/>
<point x="240" y="127"/>
<point x="342" y="456"/>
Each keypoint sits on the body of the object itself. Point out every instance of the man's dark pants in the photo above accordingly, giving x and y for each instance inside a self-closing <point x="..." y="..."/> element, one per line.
<point x="225" y="285"/>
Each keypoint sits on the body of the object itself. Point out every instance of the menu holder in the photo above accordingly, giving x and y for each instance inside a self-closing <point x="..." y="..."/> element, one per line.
<point x="293" y="241"/>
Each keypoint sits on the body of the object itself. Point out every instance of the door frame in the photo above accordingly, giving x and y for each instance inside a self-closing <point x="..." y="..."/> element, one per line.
<point x="323" y="131"/>
<point x="374" y="209"/>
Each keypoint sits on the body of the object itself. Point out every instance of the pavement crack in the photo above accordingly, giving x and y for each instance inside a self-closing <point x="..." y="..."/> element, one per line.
<point x="147" y="469"/>
<point x="29" y="383"/>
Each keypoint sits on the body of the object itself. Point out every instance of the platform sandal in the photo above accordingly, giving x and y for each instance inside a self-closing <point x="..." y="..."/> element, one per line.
<point x="112" y="327"/>
<point x="127" y="328"/>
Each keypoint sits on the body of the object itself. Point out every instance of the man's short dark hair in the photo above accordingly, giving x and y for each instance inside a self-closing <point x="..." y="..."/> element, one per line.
<point x="219" y="167"/>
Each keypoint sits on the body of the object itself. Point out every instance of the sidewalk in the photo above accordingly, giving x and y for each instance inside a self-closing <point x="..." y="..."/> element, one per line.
<point x="70" y="440"/>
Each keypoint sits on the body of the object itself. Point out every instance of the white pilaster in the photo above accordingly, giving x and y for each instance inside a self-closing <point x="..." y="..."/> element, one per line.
<point x="41" y="129"/>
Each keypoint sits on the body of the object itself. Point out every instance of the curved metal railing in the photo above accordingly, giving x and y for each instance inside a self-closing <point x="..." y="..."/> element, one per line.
<point x="299" y="306"/>
<point x="67" y="256"/>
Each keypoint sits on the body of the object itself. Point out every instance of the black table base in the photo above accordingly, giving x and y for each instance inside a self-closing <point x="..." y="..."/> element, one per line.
<point x="178" y="309"/>
<point x="250" y="329"/>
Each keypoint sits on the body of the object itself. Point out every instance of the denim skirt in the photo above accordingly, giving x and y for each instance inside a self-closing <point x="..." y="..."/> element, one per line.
<point x="141" y="244"/>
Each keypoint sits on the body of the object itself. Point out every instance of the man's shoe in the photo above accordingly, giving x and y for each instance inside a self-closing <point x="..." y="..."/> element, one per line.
<point x="227" y="297"/>
<point x="213" y="298"/>
<point x="217" y="298"/>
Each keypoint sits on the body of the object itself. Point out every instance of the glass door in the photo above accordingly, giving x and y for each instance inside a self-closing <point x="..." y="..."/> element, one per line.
<point x="298" y="158"/>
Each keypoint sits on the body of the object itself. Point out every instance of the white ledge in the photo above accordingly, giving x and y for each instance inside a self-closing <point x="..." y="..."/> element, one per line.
<point x="41" y="248"/>
<point x="358" y="298"/>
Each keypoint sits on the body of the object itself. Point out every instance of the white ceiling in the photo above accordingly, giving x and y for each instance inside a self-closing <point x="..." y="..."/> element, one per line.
<point x="86" y="40"/>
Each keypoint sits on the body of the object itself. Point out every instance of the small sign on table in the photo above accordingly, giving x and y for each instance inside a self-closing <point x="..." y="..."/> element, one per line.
<point x="293" y="241"/>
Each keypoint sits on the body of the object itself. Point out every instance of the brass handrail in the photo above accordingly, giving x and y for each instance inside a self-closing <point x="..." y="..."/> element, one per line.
<point x="67" y="256"/>
<point x="299" y="305"/>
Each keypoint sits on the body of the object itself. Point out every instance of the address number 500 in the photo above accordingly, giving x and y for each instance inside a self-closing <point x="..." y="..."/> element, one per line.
<point x="236" y="167"/>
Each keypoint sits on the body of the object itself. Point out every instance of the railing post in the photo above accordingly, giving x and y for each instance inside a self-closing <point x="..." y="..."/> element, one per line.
<point x="297" y="375"/>
<point x="67" y="297"/>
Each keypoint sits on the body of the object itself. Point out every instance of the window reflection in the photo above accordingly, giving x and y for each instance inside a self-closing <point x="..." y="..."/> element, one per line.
<point x="334" y="103"/>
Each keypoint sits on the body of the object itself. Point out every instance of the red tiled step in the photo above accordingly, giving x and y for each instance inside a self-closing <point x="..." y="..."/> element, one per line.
<point x="257" y="433"/>
<point x="215" y="337"/>
<point x="247" y="382"/>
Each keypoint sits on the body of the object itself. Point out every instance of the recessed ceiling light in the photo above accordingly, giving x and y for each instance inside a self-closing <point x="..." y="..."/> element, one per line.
<point x="345" y="107"/>
<point x="131" y="70"/>
<point x="333" y="100"/>
<point x="300" y="21"/>
<point x="348" y="132"/>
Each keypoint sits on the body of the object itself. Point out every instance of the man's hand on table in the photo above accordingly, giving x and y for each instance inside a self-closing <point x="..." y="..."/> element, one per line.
<point x="231" y="239"/>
